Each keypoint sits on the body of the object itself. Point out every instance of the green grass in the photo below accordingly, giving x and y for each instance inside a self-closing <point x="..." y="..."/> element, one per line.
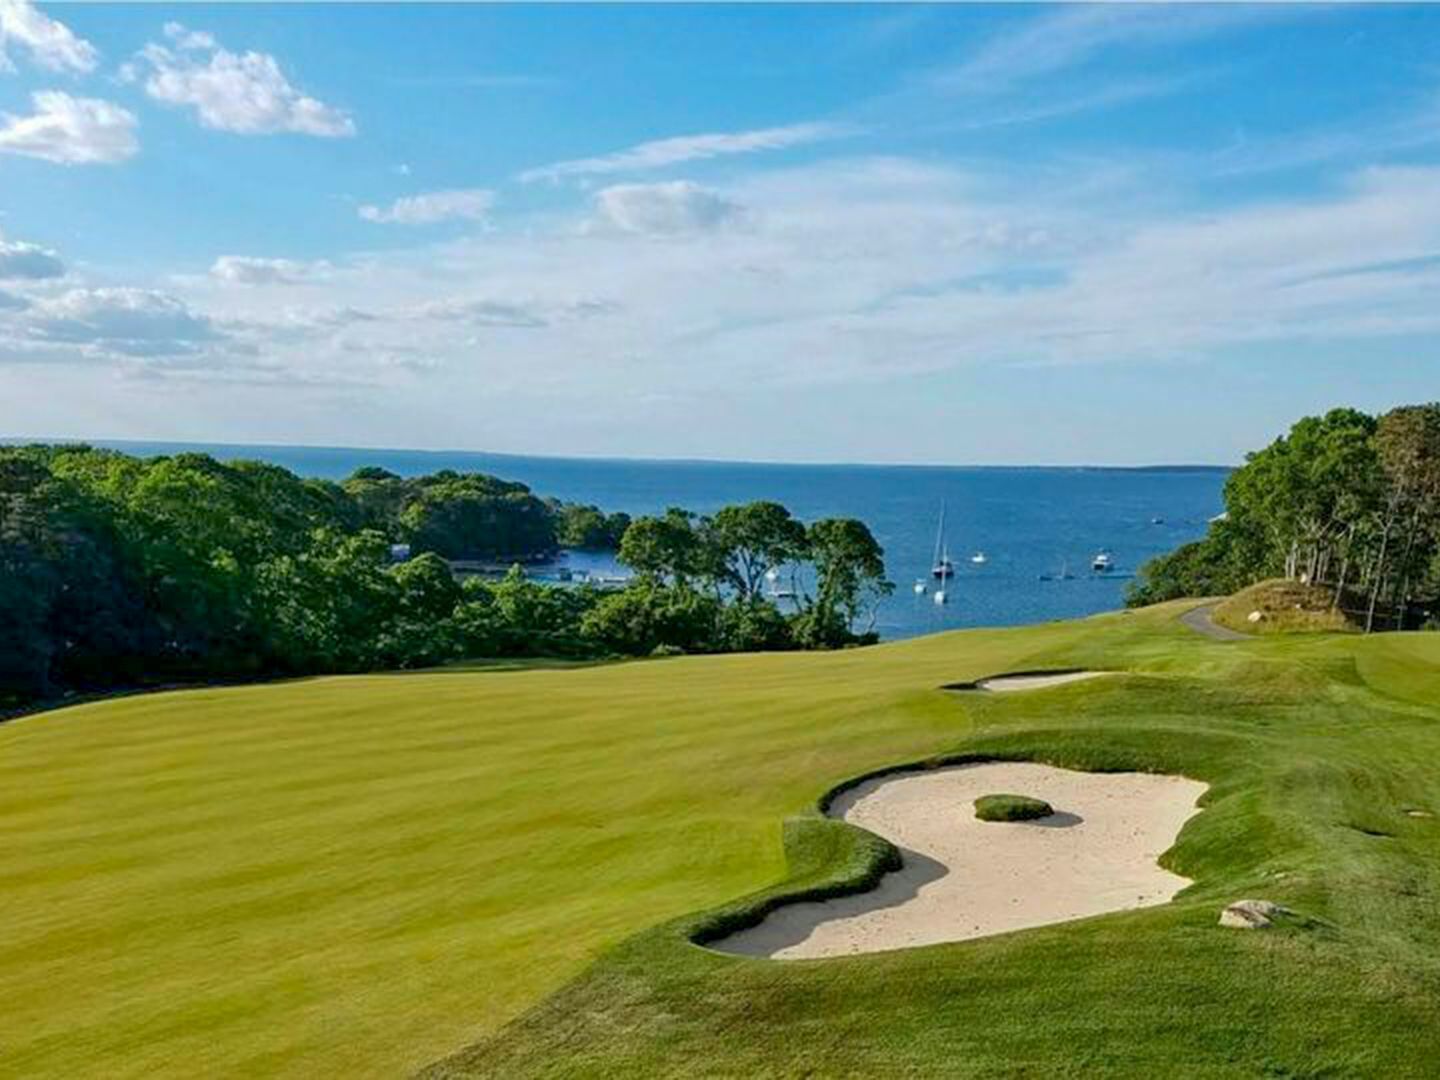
<point x="360" y="876"/>
<point x="1004" y="807"/>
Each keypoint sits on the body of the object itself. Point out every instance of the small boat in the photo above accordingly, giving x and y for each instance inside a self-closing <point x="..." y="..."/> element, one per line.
<point x="1157" y="521"/>
<point x="1102" y="563"/>
<point x="979" y="558"/>
<point x="943" y="569"/>
<point x="1063" y="575"/>
<point x="920" y="587"/>
<point x="939" y="596"/>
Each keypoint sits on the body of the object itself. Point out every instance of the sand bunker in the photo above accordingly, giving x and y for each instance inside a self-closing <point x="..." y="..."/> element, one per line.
<point x="1036" y="681"/>
<point x="965" y="878"/>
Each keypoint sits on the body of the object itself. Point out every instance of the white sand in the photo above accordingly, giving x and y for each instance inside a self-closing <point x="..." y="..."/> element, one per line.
<point x="966" y="878"/>
<point x="1006" y="683"/>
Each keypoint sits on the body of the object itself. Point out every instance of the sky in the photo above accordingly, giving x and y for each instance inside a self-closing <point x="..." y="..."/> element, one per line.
<point x="1010" y="234"/>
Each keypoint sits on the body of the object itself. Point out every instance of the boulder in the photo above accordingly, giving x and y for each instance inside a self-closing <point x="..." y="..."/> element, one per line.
<point x="1251" y="914"/>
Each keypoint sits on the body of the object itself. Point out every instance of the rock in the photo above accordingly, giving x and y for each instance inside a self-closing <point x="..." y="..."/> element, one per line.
<point x="1248" y="914"/>
<point x="1251" y="914"/>
<point x="1255" y="616"/>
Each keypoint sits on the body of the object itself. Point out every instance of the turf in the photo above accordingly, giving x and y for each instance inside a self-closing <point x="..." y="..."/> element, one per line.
<point x="358" y="876"/>
<point x="1003" y="807"/>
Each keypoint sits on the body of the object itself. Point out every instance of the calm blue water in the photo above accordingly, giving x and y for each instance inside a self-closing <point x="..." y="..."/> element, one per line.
<point x="1029" y="521"/>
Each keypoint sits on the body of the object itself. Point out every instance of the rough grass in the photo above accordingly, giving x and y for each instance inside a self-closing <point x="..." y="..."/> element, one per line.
<point x="357" y="876"/>
<point x="1288" y="607"/>
<point x="1011" y="808"/>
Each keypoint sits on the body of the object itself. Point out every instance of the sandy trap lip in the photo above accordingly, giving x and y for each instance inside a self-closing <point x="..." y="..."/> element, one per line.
<point x="1026" y="680"/>
<point x="965" y="878"/>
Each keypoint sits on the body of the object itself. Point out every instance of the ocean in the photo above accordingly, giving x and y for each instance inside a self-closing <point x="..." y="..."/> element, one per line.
<point x="1028" y="521"/>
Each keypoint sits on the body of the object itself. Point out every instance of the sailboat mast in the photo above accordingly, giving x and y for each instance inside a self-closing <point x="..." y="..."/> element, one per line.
<point x="939" y="535"/>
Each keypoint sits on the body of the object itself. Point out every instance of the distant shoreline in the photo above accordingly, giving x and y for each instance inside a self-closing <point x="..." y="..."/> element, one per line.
<point x="231" y="451"/>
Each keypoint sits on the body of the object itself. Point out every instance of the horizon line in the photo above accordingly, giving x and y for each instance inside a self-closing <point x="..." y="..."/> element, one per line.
<point x="619" y="458"/>
<point x="105" y="442"/>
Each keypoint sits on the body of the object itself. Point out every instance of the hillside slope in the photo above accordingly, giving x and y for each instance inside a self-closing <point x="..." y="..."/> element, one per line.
<point x="357" y="876"/>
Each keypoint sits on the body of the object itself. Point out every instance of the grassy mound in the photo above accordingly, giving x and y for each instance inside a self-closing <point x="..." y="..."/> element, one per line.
<point x="361" y="875"/>
<point x="1011" y="808"/>
<point x="1286" y="607"/>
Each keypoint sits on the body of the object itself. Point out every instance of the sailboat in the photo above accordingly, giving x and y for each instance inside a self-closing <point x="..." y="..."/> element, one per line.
<point x="1063" y="575"/>
<point x="778" y="591"/>
<point x="943" y="568"/>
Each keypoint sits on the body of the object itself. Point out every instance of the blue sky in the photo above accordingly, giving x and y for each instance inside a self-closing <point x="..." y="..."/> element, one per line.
<point x="1103" y="234"/>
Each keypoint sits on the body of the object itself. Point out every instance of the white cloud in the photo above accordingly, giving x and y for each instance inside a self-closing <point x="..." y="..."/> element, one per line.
<point x="51" y="45"/>
<point x="462" y="204"/>
<point x="678" y="206"/>
<point x="846" y="275"/>
<point x="681" y="148"/>
<point x="244" y="270"/>
<point x="121" y="321"/>
<point x="70" y="131"/>
<point x="484" y="313"/>
<point x="244" y="93"/>
<point x="185" y="38"/>
<point x="19" y="260"/>
<point x="11" y="302"/>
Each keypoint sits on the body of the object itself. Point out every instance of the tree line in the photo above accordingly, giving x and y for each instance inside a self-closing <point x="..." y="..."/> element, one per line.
<point x="1346" y="501"/>
<point x="118" y="571"/>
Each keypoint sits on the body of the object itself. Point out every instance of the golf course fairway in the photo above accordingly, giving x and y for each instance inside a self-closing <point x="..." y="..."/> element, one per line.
<point x="500" y="872"/>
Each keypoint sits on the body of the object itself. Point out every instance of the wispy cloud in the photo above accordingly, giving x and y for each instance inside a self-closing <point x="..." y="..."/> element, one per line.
<point x="1075" y="35"/>
<point x="247" y="270"/>
<point x="659" y="153"/>
<point x="460" y="204"/>
<point x="667" y="209"/>
<point x="28" y="262"/>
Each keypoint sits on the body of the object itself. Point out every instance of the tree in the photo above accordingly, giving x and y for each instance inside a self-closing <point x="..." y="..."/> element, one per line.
<point x="526" y="618"/>
<point x="588" y="527"/>
<point x="1342" y="500"/>
<point x="667" y="548"/>
<point x="751" y="540"/>
<point x="473" y="516"/>
<point x="1408" y="442"/>
<point x="427" y="588"/>
<point x="649" y="614"/>
<point x="849" y="577"/>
